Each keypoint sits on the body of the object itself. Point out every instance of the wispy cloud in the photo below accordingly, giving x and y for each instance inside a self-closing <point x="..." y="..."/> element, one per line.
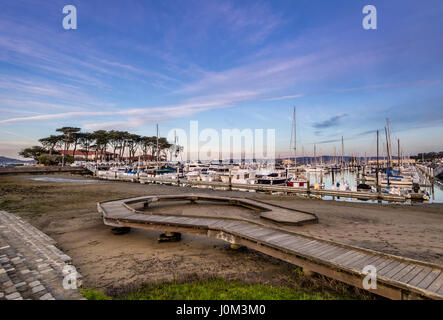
<point x="329" y="123"/>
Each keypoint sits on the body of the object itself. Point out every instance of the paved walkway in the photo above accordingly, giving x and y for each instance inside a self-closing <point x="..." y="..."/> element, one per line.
<point x="31" y="267"/>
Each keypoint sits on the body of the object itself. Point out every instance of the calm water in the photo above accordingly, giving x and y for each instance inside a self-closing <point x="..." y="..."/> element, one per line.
<point x="351" y="179"/>
<point x="52" y="179"/>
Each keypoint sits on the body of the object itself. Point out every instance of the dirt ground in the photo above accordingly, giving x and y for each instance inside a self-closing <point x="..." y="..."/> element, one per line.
<point x="67" y="212"/>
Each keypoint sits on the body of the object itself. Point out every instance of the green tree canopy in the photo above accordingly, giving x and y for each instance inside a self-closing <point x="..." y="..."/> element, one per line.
<point x="33" y="152"/>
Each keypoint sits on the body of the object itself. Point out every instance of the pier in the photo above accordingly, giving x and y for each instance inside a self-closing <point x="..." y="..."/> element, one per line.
<point x="41" y="170"/>
<point x="397" y="277"/>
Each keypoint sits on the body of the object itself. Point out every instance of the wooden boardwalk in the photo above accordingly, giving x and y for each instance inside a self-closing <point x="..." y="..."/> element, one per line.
<point x="397" y="277"/>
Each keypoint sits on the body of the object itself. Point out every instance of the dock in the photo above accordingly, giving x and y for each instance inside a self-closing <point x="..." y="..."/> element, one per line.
<point x="397" y="277"/>
<point x="309" y="191"/>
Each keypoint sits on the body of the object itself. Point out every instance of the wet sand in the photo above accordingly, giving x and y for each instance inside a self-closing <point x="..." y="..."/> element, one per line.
<point x="67" y="212"/>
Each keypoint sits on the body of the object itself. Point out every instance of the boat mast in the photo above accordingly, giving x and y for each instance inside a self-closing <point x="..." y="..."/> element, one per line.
<point x="342" y="152"/>
<point x="398" y="154"/>
<point x="387" y="149"/>
<point x="335" y="155"/>
<point x="175" y="145"/>
<point x="157" y="146"/>
<point x="293" y="143"/>
<point x="388" y="138"/>
<point x="376" y="171"/>
<point x="315" y="155"/>
<point x="303" y="153"/>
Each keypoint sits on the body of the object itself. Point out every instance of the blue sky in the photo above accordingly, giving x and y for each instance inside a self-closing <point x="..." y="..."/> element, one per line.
<point x="228" y="64"/>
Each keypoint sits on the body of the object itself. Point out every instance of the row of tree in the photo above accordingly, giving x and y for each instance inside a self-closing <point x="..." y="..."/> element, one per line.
<point x="119" y="143"/>
<point x="429" y="156"/>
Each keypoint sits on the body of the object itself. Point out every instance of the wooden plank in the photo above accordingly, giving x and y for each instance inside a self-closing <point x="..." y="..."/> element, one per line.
<point x="322" y="254"/>
<point x="230" y="224"/>
<point x="325" y="247"/>
<point x="184" y="220"/>
<point x="411" y="274"/>
<point x="436" y="284"/>
<point x="247" y="228"/>
<point x="260" y="236"/>
<point x="394" y="271"/>
<point x="164" y="218"/>
<point x="419" y="277"/>
<point x="320" y="246"/>
<point x="280" y="241"/>
<point x="360" y="256"/>
<point x="388" y="267"/>
<point x="292" y="239"/>
<point x="426" y="282"/>
<point x="180" y="220"/>
<point x="296" y="243"/>
<point x="360" y="264"/>
<point x="300" y="247"/>
<point x="383" y="262"/>
<point x="217" y="223"/>
<point x="242" y="226"/>
<point x="334" y="254"/>
<point x="205" y="222"/>
<point x="403" y="272"/>
<point x="256" y="231"/>
<point x="148" y="217"/>
<point x="355" y="254"/>
<point x="344" y="256"/>
<point x="273" y="236"/>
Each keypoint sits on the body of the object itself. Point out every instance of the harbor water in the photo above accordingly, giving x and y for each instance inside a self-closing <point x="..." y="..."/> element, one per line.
<point x="350" y="177"/>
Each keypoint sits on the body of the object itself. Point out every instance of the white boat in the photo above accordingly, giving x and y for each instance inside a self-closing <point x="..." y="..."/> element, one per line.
<point x="297" y="182"/>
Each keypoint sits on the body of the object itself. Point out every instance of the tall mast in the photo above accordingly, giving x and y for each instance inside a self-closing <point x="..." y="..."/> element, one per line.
<point x="315" y="155"/>
<point x="157" y="146"/>
<point x="342" y="152"/>
<point x="387" y="149"/>
<point x="335" y="155"/>
<point x="398" y="154"/>
<point x="175" y="145"/>
<point x="293" y="143"/>
<point x="376" y="171"/>
<point x="388" y="138"/>
<point x="303" y="153"/>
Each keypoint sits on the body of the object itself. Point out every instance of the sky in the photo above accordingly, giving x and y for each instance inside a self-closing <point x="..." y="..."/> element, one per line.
<point x="226" y="64"/>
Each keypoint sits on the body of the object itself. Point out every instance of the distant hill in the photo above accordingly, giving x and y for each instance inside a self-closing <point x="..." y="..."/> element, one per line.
<point x="6" y="160"/>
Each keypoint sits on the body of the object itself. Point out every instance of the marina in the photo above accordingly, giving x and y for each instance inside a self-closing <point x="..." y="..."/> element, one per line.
<point x="313" y="184"/>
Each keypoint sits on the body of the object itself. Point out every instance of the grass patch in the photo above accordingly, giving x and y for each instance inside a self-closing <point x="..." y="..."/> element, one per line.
<point x="92" y="294"/>
<point x="214" y="289"/>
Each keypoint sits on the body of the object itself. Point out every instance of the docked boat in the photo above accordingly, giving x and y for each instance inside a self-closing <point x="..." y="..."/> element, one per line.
<point x="272" y="179"/>
<point x="297" y="182"/>
<point x="240" y="176"/>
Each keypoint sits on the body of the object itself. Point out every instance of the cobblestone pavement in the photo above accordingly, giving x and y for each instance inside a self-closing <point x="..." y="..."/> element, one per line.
<point x="31" y="267"/>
